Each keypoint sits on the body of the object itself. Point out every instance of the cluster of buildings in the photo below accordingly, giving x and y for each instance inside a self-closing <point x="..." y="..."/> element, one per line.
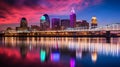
<point x="57" y="23"/>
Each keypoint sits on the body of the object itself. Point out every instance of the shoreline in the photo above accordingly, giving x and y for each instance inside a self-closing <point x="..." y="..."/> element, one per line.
<point x="64" y="36"/>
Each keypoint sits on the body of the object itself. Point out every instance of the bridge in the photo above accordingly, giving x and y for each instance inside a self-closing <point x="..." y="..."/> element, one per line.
<point x="113" y="29"/>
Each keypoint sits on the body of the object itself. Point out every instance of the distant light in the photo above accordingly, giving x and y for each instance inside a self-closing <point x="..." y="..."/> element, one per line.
<point x="55" y="56"/>
<point x="42" y="55"/>
<point x="72" y="62"/>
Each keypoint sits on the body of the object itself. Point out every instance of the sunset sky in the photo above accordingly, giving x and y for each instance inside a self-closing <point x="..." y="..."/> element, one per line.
<point x="106" y="11"/>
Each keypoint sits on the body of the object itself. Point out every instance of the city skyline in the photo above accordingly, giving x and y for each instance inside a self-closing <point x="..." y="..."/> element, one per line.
<point x="106" y="11"/>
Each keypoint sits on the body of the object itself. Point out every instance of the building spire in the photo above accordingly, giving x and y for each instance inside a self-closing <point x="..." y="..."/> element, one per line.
<point x="73" y="10"/>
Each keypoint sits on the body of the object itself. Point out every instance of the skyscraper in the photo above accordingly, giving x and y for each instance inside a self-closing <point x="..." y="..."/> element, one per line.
<point x="55" y="23"/>
<point x="23" y="25"/>
<point x="65" y="23"/>
<point x="72" y="18"/>
<point x="85" y="24"/>
<point x="94" y="23"/>
<point x="82" y="24"/>
<point x="47" y="19"/>
<point x="44" y="22"/>
<point x="23" y="22"/>
<point x="35" y="28"/>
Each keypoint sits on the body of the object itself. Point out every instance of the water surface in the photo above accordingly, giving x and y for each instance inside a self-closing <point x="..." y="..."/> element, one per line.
<point x="61" y="52"/>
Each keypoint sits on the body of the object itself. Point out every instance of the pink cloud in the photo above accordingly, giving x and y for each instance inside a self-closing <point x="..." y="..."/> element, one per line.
<point x="32" y="12"/>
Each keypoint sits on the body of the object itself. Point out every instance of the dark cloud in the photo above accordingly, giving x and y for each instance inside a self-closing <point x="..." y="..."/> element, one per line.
<point x="31" y="2"/>
<point x="10" y="2"/>
<point x="4" y="10"/>
<point x="18" y="3"/>
<point x="2" y="16"/>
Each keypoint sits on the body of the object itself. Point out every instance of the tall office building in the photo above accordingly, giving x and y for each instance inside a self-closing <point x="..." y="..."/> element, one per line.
<point x="23" y="25"/>
<point x="65" y="23"/>
<point x="47" y="19"/>
<point x="82" y="24"/>
<point x="23" y="22"/>
<point x="55" y="23"/>
<point x="44" y="22"/>
<point x="72" y="18"/>
<point x="85" y="24"/>
<point x="35" y="28"/>
<point x="94" y="23"/>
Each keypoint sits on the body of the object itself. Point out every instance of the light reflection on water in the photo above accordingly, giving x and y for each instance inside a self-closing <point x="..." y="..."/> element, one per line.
<point x="70" y="47"/>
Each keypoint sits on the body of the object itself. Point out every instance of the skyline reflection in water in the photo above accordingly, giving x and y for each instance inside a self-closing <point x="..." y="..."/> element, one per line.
<point x="59" y="48"/>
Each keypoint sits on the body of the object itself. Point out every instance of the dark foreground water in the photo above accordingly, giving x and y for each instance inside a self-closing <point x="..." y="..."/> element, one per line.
<point x="59" y="52"/>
